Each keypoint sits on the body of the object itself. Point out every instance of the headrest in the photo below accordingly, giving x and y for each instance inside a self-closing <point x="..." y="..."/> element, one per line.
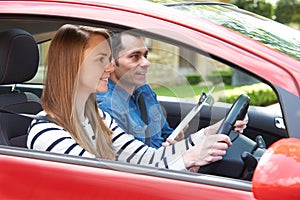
<point x="19" y="56"/>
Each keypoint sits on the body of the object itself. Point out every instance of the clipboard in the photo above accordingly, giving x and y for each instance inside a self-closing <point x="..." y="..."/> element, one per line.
<point x="204" y="98"/>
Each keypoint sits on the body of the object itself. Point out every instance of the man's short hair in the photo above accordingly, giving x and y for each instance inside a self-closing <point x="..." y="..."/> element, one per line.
<point x="117" y="45"/>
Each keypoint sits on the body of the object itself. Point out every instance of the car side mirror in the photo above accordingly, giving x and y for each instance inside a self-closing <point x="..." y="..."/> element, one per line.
<point x="277" y="174"/>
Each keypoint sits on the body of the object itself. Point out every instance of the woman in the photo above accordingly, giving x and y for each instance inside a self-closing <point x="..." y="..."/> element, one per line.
<point x="78" y="66"/>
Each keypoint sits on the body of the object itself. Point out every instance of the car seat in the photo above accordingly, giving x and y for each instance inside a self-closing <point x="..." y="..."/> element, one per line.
<point x="19" y="60"/>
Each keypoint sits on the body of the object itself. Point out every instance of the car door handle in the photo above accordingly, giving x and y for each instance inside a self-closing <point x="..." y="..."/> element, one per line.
<point x="279" y="123"/>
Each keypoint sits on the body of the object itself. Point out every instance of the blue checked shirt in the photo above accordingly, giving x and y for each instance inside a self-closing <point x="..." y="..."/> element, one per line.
<point x="124" y="109"/>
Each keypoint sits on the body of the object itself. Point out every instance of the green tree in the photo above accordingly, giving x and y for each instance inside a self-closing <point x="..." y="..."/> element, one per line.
<point x="296" y="16"/>
<point x="261" y="7"/>
<point x="285" y="10"/>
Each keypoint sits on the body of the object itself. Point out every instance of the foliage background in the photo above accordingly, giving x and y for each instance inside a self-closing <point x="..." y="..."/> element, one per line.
<point x="283" y="11"/>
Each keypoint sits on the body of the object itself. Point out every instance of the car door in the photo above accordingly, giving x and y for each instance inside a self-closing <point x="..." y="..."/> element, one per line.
<point x="26" y="174"/>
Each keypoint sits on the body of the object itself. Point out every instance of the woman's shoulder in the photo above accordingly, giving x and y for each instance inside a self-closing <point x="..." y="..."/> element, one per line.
<point x="42" y="122"/>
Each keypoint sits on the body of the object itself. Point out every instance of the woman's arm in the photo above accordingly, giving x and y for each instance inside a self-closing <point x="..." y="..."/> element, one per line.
<point x="44" y="135"/>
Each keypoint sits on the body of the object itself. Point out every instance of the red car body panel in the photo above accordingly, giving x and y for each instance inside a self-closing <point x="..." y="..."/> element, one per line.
<point x="272" y="179"/>
<point x="67" y="181"/>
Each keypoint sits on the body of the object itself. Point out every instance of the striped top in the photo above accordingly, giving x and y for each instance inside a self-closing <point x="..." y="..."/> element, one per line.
<point x="45" y="135"/>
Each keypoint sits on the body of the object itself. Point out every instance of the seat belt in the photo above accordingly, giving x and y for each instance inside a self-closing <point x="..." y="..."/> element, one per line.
<point x="144" y="115"/>
<point x="32" y="116"/>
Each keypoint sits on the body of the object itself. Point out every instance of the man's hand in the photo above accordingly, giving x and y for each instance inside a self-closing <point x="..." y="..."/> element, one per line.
<point x="179" y="137"/>
<point x="239" y="126"/>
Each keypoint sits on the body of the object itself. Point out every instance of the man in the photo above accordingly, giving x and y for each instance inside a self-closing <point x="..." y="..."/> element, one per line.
<point x="126" y="85"/>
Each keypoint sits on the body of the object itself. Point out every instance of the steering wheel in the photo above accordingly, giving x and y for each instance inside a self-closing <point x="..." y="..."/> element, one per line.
<point x="241" y="158"/>
<point x="237" y="111"/>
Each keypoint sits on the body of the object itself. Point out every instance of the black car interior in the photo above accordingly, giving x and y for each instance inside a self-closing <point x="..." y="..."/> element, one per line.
<point x="19" y="59"/>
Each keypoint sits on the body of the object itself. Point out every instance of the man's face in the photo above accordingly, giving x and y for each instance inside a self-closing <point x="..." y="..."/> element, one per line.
<point x="133" y="64"/>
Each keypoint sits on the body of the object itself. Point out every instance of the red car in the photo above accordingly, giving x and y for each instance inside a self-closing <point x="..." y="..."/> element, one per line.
<point x="204" y="39"/>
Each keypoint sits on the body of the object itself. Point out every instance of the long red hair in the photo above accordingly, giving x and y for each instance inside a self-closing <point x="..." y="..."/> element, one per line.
<point x="66" y="53"/>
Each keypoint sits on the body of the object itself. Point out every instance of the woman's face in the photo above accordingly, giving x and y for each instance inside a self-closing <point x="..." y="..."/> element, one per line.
<point x="96" y="67"/>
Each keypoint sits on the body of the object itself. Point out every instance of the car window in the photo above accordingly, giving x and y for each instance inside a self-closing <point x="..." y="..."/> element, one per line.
<point x="40" y="75"/>
<point x="182" y="73"/>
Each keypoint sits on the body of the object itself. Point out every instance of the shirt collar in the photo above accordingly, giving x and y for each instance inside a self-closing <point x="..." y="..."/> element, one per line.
<point x="115" y="88"/>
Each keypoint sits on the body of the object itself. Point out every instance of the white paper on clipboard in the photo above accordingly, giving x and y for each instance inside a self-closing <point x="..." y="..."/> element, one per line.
<point x="202" y="101"/>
